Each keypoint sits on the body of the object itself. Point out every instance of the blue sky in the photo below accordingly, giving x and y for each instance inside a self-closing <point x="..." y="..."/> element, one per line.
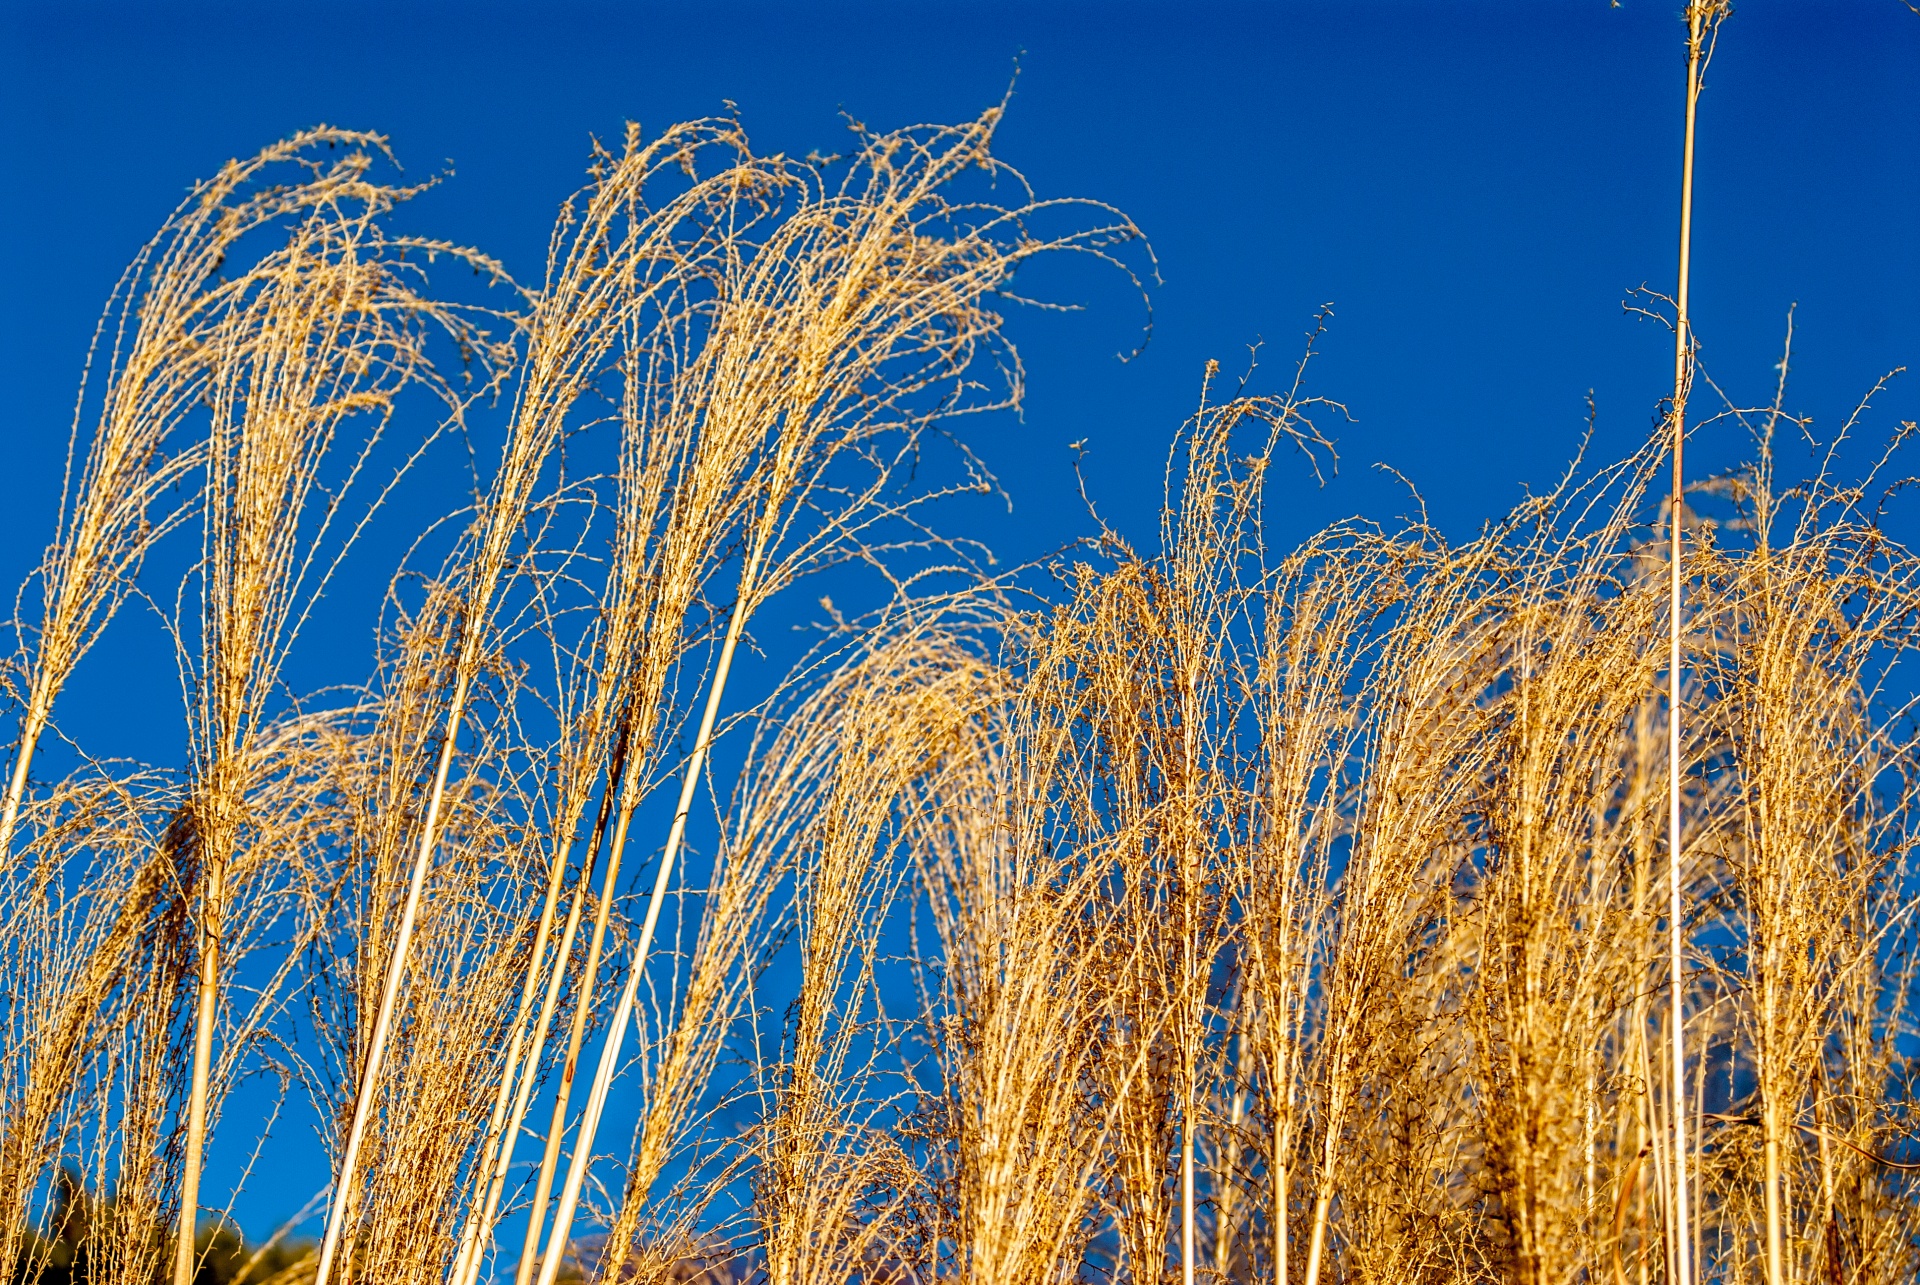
<point x="1474" y="187"/>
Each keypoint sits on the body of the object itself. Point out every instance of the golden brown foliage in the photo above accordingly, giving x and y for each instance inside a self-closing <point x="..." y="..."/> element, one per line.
<point x="1216" y="909"/>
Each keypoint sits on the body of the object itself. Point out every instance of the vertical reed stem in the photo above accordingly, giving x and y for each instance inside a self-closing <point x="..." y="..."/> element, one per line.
<point x="1682" y="372"/>
<point x="206" y="1004"/>
<point x="1186" y="1192"/>
<point x="1316" y="1244"/>
<point x="1279" y="1214"/>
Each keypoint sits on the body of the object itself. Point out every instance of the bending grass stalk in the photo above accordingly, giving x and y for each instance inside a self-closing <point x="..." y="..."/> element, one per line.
<point x="576" y="1034"/>
<point x="616" y="1032"/>
<point x="1697" y="15"/>
<point x="276" y="413"/>
<point x="99" y="526"/>
<point x="30" y="728"/>
<point x="496" y="1149"/>
<point x="479" y="1214"/>
<point x="150" y="381"/>
<point x="502" y="1160"/>
<point x="566" y="347"/>
<point x="390" y="989"/>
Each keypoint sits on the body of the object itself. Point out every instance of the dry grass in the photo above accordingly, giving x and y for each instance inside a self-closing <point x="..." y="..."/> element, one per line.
<point x="1211" y="911"/>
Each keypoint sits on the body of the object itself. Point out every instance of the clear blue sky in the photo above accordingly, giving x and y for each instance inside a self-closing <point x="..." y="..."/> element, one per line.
<point x="1475" y="188"/>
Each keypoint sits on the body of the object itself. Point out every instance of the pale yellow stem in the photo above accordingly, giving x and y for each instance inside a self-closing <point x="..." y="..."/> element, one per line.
<point x="497" y="1148"/>
<point x="1776" y="1251"/>
<point x="583" y="1004"/>
<point x="207" y="1004"/>
<point x="1186" y="1193"/>
<point x="1316" y="1244"/>
<point x="390" y="990"/>
<point x="616" y="1033"/>
<point x="30" y="728"/>
<point x="1682" y="1267"/>
<point x="549" y="1005"/>
<point x="1279" y="1218"/>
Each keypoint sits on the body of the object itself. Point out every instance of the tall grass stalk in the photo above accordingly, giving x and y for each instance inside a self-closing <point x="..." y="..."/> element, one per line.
<point x="326" y="335"/>
<point x="579" y="318"/>
<point x="1703" y="18"/>
<point x="860" y="300"/>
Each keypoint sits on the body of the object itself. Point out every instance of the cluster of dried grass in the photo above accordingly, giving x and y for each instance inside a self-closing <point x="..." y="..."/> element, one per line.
<point x="1217" y="910"/>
